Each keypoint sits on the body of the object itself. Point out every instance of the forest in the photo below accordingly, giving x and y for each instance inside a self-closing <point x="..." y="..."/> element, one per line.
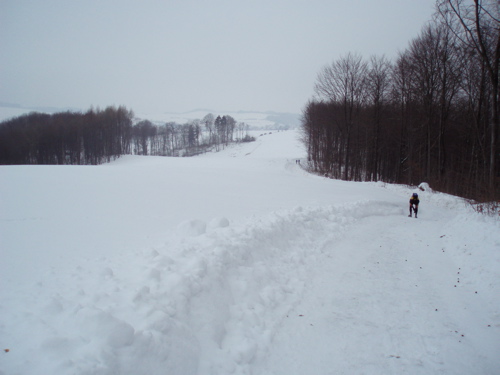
<point x="431" y="115"/>
<point x="99" y="136"/>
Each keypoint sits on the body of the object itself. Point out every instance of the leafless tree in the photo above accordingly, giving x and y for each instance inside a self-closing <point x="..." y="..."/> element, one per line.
<point x="377" y="86"/>
<point x="343" y="82"/>
<point x="476" y="24"/>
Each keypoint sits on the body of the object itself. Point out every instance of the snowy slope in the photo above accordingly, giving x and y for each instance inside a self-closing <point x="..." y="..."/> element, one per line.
<point x="239" y="262"/>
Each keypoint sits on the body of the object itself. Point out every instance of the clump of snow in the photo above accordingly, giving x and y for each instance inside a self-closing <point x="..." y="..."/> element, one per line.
<point x="192" y="227"/>
<point x="424" y="186"/>
<point x="218" y="222"/>
<point x="240" y="262"/>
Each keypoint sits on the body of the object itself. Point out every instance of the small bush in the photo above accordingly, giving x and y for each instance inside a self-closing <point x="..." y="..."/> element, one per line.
<point x="488" y="208"/>
<point x="248" y="138"/>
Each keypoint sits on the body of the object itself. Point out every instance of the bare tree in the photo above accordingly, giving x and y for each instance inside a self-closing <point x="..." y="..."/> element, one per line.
<point x="378" y="86"/>
<point x="477" y="25"/>
<point x="208" y="121"/>
<point x="343" y="82"/>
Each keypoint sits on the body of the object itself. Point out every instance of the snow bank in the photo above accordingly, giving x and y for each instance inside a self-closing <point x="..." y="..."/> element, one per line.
<point x="206" y="302"/>
<point x="429" y="197"/>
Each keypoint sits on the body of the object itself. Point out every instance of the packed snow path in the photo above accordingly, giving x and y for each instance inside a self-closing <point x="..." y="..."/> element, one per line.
<point x="388" y="299"/>
<point x="240" y="263"/>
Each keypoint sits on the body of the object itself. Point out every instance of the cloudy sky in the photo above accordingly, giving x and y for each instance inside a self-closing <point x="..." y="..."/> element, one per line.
<point x="180" y="55"/>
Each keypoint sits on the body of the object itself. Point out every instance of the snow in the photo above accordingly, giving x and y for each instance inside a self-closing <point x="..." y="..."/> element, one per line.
<point x="240" y="262"/>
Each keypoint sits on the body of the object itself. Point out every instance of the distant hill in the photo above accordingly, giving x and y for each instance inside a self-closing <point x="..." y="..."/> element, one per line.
<point x="268" y="120"/>
<point x="255" y="119"/>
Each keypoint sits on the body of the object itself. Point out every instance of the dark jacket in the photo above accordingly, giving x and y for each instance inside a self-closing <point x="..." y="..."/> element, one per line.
<point x="414" y="201"/>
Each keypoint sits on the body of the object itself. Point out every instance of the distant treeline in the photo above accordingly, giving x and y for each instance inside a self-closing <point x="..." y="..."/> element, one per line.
<point x="432" y="115"/>
<point x="99" y="136"/>
<point x="192" y="138"/>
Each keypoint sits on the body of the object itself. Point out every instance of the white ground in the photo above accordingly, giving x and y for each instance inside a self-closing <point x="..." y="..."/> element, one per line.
<point x="239" y="262"/>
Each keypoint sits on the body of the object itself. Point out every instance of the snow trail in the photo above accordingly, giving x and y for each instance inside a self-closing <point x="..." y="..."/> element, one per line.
<point x="384" y="300"/>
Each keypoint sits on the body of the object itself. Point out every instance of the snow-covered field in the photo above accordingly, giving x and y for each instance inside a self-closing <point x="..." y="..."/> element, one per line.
<point x="240" y="262"/>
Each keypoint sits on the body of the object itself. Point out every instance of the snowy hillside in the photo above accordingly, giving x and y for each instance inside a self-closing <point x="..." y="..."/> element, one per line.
<point x="240" y="262"/>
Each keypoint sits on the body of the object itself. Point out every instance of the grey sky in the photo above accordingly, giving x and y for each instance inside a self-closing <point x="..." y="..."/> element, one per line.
<point x="178" y="55"/>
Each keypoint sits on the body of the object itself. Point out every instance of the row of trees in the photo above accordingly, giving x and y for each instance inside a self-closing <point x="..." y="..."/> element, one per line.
<point x="93" y="137"/>
<point x="99" y="136"/>
<point x="189" y="139"/>
<point x="431" y="115"/>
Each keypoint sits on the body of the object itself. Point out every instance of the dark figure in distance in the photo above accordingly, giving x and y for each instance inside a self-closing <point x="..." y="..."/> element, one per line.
<point x="414" y="201"/>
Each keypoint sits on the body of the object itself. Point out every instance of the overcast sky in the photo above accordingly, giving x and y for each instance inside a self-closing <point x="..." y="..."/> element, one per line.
<point x="179" y="55"/>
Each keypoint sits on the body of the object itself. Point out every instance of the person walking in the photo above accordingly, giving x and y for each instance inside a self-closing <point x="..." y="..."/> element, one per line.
<point x="414" y="201"/>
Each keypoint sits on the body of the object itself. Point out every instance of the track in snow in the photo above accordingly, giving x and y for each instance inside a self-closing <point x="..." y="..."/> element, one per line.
<point x="385" y="300"/>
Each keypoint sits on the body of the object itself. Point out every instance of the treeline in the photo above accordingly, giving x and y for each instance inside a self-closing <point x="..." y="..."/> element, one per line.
<point x="431" y="115"/>
<point x="99" y="136"/>
<point x="93" y="137"/>
<point x="192" y="138"/>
